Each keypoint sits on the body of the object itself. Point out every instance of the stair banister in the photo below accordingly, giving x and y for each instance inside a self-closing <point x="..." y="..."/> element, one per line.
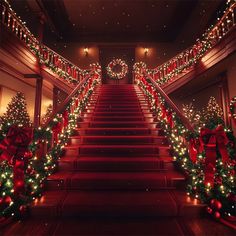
<point x="18" y="27"/>
<point x="184" y="59"/>
<point x="171" y="103"/>
<point x="67" y="100"/>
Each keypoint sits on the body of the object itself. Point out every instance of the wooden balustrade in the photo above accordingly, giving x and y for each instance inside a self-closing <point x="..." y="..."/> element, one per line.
<point x="168" y="71"/>
<point x="55" y="62"/>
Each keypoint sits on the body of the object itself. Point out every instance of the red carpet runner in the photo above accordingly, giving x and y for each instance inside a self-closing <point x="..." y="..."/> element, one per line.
<point x="117" y="165"/>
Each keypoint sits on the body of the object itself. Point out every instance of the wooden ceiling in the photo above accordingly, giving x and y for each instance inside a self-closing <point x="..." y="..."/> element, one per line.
<point x="118" y="20"/>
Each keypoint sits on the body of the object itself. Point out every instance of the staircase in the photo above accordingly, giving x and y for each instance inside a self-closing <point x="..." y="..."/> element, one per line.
<point x="117" y="165"/>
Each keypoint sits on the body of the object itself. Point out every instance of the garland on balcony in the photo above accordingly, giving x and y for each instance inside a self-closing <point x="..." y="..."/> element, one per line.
<point x="211" y="174"/>
<point x="29" y="168"/>
<point x="185" y="60"/>
<point x="121" y="73"/>
<point x="57" y="64"/>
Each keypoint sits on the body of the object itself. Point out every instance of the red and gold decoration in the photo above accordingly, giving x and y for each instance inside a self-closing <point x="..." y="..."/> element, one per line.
<point x="172" y="69"/>
<point x="63" y="68"/>
<point x="207" y="153"/>
<point x="15" y="151"/>
<point x="117" y="69"/>
<point x="22" y="171"/>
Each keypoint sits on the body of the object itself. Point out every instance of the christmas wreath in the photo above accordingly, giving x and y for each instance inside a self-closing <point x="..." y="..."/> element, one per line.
<point x="232" y="107"/>
<point x="117" y="69"/>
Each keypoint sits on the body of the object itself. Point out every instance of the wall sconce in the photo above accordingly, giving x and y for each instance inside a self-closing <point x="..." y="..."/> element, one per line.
<point x="146" y="50"/>
<point x="86" y="51"/>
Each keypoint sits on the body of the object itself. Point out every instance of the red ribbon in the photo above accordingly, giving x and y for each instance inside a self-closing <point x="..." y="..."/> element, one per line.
<point x="193" y="150"/>
<point x="170" y="119"/>
<point x="65" y="118"/>
<point x="163" y="112"/>
<point x="15" y="151"/>
<point x="210" y="140"/>
<point x="56" y="129"/>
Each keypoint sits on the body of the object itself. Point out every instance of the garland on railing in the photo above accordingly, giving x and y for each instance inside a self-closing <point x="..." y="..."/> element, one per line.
<point x="23" y="170"/>
<point x="207" y="157"/>
<point x="166" y="72"/>
<point x="56" y="63"/>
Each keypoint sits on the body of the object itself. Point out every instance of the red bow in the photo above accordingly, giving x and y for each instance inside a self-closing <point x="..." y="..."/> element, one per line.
<point x="65" y="118"/>
<point x="15" y="151"/>
<point x="210" y="140"/>
<point x="193" y="150"/>
<point x="56" y="129"/>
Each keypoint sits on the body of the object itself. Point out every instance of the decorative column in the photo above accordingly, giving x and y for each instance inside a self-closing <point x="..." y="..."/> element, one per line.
<point x="38" y="101"/>
<point x="55" y="98"/>
<point x="224" y="95"/>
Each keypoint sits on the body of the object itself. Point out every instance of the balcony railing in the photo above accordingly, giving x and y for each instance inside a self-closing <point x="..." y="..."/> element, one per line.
<point x="57" y="64"/>
<point x="182" y="62"/>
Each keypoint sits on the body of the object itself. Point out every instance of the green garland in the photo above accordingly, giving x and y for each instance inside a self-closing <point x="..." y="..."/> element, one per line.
<point x="224" y="191"/>
<point x="38" y="169"/>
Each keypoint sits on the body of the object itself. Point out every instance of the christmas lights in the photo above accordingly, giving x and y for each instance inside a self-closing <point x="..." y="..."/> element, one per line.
<point x="211" y="173"/>
<point x="41" y="165"/>
<point x="184" y="61"/>
<point x="122" y="71"/>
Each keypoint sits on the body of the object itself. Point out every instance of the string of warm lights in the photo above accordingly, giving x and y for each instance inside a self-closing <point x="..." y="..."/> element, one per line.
<point x="122" y="72"/>
<point x="171" y="69"/>
<point x="55" y="137"/>
<point x="65" y="69"/>
<point x="215" y="186"/>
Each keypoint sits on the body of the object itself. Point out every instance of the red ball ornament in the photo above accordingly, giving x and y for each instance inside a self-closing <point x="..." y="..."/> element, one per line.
<point x="7" y="199"/>
<point x="218" y="205"/>
<point x="212" y="202"/>
<point x="209" y="210"/>
<point x="217" y="215"/>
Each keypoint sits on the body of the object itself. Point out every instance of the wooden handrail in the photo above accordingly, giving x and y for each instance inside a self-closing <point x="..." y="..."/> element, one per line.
<point x="171" y="104"/>
<point x="67" y="100"/>
<point x="225" y="24"/>
<point x="15" y="25"/>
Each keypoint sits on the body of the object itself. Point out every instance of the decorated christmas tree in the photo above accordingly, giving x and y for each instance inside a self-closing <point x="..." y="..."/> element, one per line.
<point x="16" y="113"/>
<point x="193" y="115"/>
<point x="213" y="114"/>
<point x="47" y="114"/>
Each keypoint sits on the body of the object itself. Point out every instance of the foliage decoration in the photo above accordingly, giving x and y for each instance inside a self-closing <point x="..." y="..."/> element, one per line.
<point x="117" y="69"/>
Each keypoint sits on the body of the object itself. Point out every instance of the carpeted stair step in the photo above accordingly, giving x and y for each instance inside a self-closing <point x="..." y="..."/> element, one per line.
<point x="135" y="139"/>
<point x="118" y="109"/>
<point x="106" y="204"/>
<point x="116" y="118"/>
<point x="115" y="180"/>
<point x="135" y="204"/>
<point x="123" y="114"/>
<point x="111" y="164"/>
<point x="117" y="124"/>
<point x="119" y="204"/>
<point x="119" y="131"/>
<point x="117" y="150"/>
